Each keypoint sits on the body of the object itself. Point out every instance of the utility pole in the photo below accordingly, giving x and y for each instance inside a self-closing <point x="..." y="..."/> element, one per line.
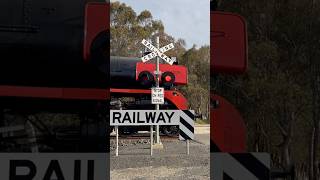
<point x="158" y="73"/>
<point x="157" y="93"/>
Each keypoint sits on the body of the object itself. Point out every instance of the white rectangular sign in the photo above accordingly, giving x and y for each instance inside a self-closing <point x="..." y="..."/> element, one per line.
<point x="183" y="118"/>
<point x="34" y="166"/>
<point x="144" y="117"/>
<point x="157" y="95"/>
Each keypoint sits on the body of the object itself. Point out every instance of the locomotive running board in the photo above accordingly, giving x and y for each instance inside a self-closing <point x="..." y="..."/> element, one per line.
<point x="54" y="93"/>
<point x="171" y="95"/>
<point x="84" y="93"/>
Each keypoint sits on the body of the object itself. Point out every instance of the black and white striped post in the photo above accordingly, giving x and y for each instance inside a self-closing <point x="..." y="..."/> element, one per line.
<point x="238" y="166"/>
<point x="186" y="127"/>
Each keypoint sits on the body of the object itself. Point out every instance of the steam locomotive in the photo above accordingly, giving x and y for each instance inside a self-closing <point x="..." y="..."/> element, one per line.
<point x="131" y="81"/>
<point x="139" y="75"/>
<point x="55" y="58"/>
<point x="54" y="43"/>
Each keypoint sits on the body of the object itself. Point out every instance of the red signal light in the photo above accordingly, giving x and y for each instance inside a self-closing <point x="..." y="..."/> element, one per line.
<point x="146" y="79"/>
<point x="180" y="72"/>
<point x="167" y="78"/>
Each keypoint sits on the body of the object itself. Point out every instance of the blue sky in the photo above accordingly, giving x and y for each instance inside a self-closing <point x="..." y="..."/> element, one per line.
<point x="186" y="19"/>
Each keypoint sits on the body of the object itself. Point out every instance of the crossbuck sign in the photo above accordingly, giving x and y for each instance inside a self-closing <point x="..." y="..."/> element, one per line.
<point x="157" y="52"/>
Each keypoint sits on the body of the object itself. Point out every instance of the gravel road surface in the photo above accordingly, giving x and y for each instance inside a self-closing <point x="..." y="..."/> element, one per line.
<point x="171" y="163"/>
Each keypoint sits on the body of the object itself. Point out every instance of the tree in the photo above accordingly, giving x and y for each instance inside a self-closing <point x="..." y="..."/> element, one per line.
<point x="197" y="61"/>
<point x="127" y="31"/>
<point x="280" y="94"/>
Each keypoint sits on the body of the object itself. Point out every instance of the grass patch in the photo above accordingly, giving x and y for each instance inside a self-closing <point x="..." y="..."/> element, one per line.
<point x="202" y="121"/>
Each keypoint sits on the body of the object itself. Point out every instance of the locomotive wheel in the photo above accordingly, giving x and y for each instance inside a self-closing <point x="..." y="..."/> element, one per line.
<point x="110" y="129"/>
<point x="93" y="134"/>
<point x="124" y="131"/>
<point x="171" y="130"/>
<point x="100" y="52"/>
<point x="2" y="124"/>
<point x="22" y="136"/>
<point x="127" y="130"/>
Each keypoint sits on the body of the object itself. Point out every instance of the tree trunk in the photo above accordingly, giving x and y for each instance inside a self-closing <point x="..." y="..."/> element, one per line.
<point x="286" y="143"/>
<point x="316" y="120"/>
<point x="286" y="156"/>
<point x="315" y="152"/>
<point x="311" y="154"/>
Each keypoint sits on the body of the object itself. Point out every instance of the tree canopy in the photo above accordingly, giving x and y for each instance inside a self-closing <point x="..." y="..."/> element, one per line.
<point x="279" y="96"/>
<point x="127" y="29"/>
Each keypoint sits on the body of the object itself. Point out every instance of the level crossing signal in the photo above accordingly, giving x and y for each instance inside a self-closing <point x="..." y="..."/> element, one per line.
<point x="157" y="52"/>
